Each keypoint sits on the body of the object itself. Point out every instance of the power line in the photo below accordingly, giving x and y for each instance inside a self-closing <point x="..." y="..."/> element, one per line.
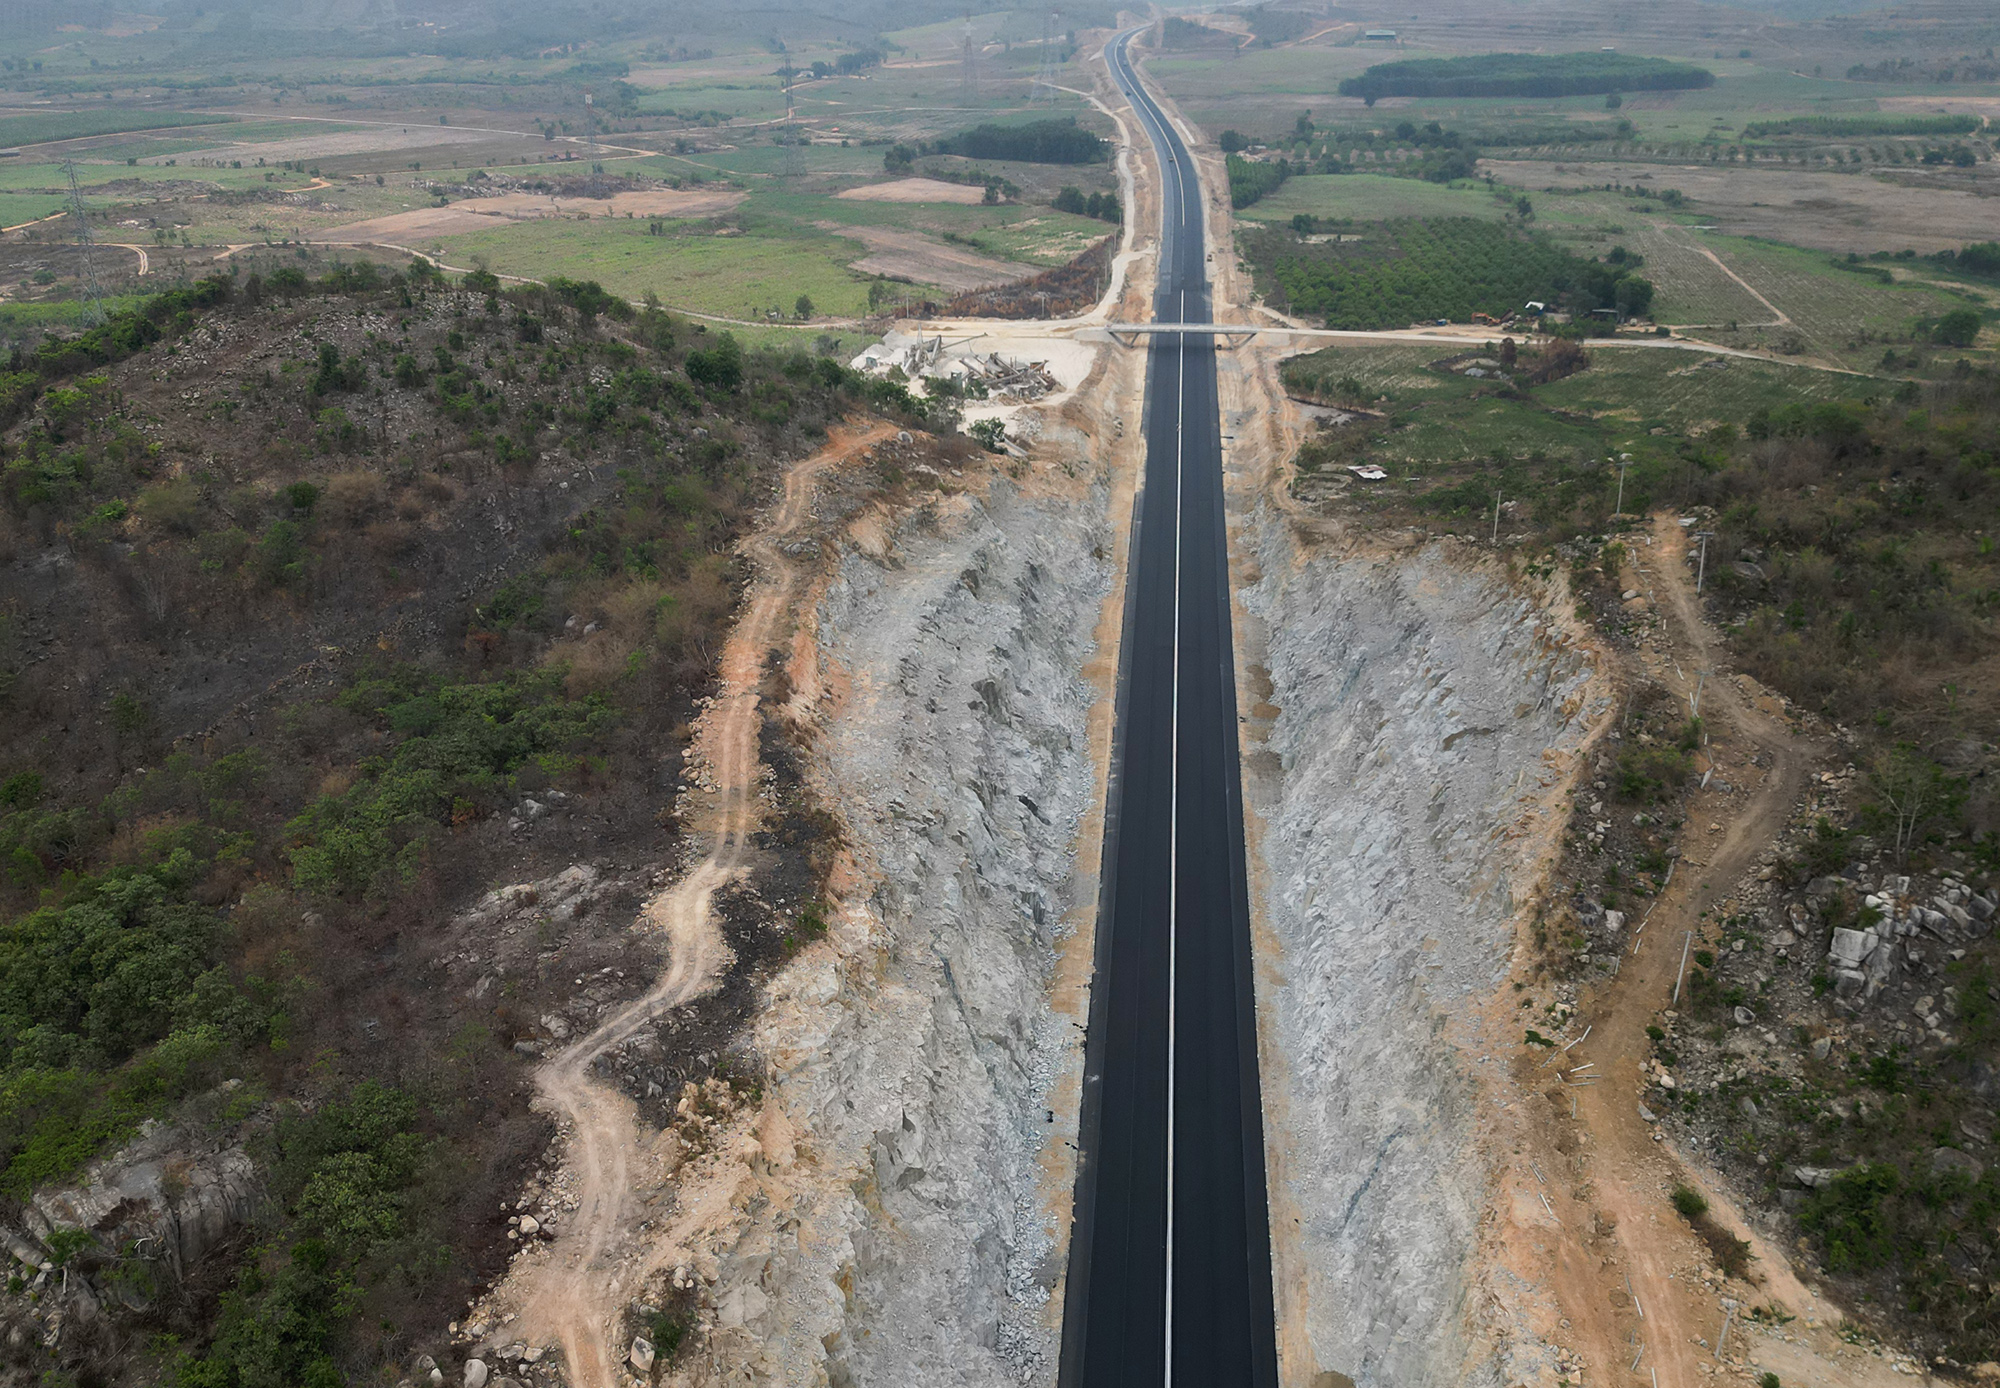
<point x="968" y="77"/>
<point x="794" y="143"/>
<point x="94" y="312"/>
<point x="1045" y="77"/>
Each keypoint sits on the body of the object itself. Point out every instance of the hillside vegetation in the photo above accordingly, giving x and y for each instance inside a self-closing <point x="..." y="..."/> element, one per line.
<point x="317" y="585"/>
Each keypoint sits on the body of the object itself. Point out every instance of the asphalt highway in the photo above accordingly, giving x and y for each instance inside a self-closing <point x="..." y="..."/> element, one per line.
<point x="1170" y="1266"/>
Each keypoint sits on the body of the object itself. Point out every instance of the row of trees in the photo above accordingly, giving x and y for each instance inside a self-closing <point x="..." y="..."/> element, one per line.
<point x="1525" y="74"/>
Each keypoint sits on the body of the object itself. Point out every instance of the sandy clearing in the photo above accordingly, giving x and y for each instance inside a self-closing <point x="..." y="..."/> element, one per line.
<point x="914" y="256"/>
<point x="1821" y="211"/>
<point x="916" y="190"/>
<point x="483" y="214"/>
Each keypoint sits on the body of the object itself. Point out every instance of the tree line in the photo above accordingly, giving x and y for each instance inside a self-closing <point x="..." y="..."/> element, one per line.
<point x="1525" y="74"/>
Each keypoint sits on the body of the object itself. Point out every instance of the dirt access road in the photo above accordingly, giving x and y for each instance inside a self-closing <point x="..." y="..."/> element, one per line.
<point x="1615" y="1200"/>
<point x="573" y="1295"/>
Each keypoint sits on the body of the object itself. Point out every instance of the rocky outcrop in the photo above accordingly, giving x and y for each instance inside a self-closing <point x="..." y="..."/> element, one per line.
<point x="902" y="1233"/>
<point x="1414" y="703"/>
<point x="169" y="1196"/>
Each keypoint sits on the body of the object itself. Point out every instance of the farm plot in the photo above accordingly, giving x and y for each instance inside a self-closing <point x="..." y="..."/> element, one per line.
<point x="40" y="127"/>
<point x="1687" y="393"/>
<point x="1692" y="289"/>
<point x="1024" y="234"/>
<point x="1370" y="198"/>
<point x="1823" y="210"/>
<point x="740" y="276"/>
<point x="1834" y="310"/>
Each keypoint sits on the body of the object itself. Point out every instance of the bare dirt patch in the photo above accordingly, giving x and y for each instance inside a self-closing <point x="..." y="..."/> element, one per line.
<point x="1822" y="211"/>
<point x="332" y="144"/>
<point x="910" y="255"/>
<point x="483" y="214"/>
<point x="916" y="190"/>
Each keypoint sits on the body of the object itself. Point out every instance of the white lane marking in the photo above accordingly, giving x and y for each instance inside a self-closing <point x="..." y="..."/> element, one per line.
<point x="1174" y="828"/>
<point x="1156" y="132"/>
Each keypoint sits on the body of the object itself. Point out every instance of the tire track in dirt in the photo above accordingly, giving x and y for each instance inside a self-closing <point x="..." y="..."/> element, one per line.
<point x="1628" y="1169"/>
<point x="573" y="1294"/>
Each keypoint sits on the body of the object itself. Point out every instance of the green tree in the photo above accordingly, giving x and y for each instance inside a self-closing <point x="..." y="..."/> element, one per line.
<point x="1959" y="328"/>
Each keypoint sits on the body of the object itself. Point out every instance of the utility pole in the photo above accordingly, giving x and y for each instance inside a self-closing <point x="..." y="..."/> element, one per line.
<point x="1624" y="461"/>
<point x="1701" y="565"/>
<point x="590" y="130"/>
<point x="93" y="312"/>
<point x="1496" y="518"/>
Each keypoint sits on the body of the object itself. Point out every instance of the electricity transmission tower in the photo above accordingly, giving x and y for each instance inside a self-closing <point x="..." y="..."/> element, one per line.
<point x="968" y="76"/>
<point x="1045" y="78"/>
<point x="590" y="132"/>
<point x="94" y="312"/>
<point x="794" y="142"/>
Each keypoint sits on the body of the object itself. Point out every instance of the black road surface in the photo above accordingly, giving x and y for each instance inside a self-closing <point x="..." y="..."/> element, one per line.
<point x="1170" y="1259"/>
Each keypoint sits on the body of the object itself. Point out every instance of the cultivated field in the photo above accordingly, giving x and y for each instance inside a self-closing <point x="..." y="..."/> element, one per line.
<point x="1825" y="211"/>
<point x="1370" y="198"/>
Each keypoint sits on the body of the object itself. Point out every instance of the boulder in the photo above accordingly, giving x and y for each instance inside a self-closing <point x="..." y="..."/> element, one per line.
<point x="171" y="1186"/>
<point x="1979" y="907"/>
<point x="1814" y="1177"/>
<point x="1824" y="886"/>
<point x="1848" y="983"/>
<point x="1849" y="947"/>
<point x="1614" y="921"/>
<point x="530" y="1226"/>
<point x="641" y="1356"/>
<point x="1744" y="1017"/>
<point x="475" y="1373"/>
<point x="1946" y="1159"/>
<point x="1822" y="1048"/>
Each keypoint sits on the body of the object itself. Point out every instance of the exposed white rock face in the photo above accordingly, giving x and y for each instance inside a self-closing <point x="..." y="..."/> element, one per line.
<point x="1415" y="699"/>
<point x="918" y="1245"/>
<point x="174" y="1184"/>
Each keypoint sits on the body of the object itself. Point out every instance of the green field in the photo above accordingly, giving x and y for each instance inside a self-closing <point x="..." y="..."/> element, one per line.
<point x="1451" y="443"/>
<point x="729" y="276"/>
<point x="16" y="208"/>
<point x="77" y="125"/>
<point x="1834" y="310"/>
<point x="1372" y="198"/>
<point x="1020" y="232"/>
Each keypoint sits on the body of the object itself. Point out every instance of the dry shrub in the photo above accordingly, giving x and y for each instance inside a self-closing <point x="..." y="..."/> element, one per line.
<point x="173" y="506"/>
<point x="596" y="662"/>
<point x="1731" y="1254"/>
<point x="351" y="498"/>
<point x="131" y="842"/>
<point x="392" y="539"/>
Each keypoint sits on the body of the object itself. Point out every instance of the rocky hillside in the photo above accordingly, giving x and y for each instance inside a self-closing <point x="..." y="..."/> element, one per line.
<point x="328" y="604"/>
